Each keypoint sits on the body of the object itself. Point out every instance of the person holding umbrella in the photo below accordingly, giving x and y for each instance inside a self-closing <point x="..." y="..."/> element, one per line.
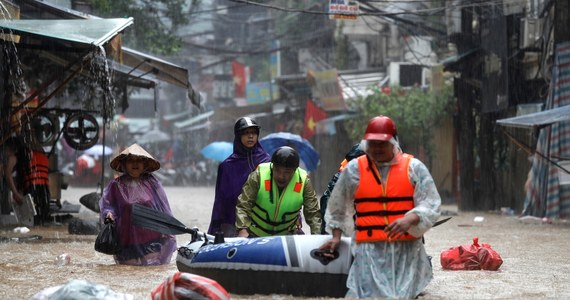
<point x="232" y="174"/>
<point x="139" y="246"/>
<point x="386" y="200"/>
<point x="274" y="194"/>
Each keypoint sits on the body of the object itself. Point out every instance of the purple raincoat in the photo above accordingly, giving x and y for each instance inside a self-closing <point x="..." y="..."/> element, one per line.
<point x="140" y="246"/>
<point x="232" y="174"/>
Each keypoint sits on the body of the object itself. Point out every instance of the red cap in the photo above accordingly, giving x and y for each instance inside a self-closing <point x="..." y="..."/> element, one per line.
<point x="380" y="128"/>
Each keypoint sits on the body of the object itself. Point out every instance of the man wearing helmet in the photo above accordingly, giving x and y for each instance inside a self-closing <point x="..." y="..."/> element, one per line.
<point x="232" y="174"/>
<point x="274" y="194"/>
<point x="386" y="200"/>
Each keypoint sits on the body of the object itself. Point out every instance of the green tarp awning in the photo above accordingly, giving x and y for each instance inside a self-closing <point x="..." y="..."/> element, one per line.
<point x="83" y="31"/>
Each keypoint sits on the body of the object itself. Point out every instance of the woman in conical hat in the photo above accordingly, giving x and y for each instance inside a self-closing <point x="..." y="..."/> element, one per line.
<point x="135" y="151"/>
<point x="137" y="186"/>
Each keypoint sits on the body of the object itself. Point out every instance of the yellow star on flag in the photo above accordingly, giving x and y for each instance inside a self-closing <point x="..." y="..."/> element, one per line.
<point x="238" y="80"/>
<point x="311" y="123"/>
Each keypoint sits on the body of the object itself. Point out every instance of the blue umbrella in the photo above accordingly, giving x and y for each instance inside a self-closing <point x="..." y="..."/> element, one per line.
<point x="218" y="151"/>
<point x="307" y="153"/>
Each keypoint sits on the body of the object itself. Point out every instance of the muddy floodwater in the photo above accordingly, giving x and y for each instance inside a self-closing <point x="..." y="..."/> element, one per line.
<point x="536" y="255"/>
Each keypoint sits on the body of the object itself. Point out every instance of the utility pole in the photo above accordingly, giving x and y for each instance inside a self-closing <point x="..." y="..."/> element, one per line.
<point x="6" y="102"/>
<point x="561" y="19"/>
<point x="465" y="92"/>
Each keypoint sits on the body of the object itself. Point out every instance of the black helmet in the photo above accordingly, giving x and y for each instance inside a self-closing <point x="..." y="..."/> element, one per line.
<point x="285" y="157"/>
<point x="244" y="123"/>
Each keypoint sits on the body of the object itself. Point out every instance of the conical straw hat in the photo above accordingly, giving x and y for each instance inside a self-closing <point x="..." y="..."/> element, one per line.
<point x="135" y="150"/>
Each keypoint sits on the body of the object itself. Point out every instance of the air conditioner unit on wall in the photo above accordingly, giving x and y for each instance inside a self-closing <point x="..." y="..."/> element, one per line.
<point x="406" y="74"/>
<point x="531" y="32"/>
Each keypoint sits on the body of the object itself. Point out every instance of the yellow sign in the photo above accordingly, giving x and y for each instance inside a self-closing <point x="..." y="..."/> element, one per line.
<point x="327" y="90"/>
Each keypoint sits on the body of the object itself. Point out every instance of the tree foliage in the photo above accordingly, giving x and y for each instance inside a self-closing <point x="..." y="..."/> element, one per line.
<point x="155" y="22"/>
<point x="415" y="111"/>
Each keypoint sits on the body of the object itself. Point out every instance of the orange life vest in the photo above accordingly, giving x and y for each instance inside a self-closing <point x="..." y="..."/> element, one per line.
<point x="377" y="206"/>
<point x="39" y="170"/>
<point x="343" y="164"/>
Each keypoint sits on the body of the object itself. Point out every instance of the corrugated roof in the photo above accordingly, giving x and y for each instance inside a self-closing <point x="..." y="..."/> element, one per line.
<point x="94" y="32"/>
<point x="358" y="84"/>
<point x="147" y="64"/>
<point x="195" y="119"/>
<point x="353" y="83"/>
<point x="538" y="119"/>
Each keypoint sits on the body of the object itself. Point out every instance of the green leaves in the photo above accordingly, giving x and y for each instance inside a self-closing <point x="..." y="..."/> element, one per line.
<point x="155" y="22"/>
<point x="415" y="111"/>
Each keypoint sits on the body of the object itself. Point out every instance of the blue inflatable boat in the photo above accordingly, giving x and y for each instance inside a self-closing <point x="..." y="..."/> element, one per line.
<point x="290" y="265"/>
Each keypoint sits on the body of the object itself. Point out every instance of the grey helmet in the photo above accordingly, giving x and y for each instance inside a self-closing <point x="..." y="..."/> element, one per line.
<point x="244" y="123"/>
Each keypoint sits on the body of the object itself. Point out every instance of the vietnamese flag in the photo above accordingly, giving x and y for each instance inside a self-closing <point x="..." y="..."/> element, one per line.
<point x="240" y="77"/>
<point x="313" y="114"/>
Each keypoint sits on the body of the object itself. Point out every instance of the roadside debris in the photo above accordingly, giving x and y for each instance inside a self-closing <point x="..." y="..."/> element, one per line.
<point x="471" y="257"/>
<point x="78" y="289"/>
<point x="63" y="259"/>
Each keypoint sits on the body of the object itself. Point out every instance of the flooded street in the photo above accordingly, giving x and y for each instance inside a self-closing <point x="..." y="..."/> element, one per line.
<point x="478" y="91"/>
<point x="536" y="258"/>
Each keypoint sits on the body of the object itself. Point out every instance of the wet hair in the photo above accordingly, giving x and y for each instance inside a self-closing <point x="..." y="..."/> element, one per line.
<point x="285" y="157"/>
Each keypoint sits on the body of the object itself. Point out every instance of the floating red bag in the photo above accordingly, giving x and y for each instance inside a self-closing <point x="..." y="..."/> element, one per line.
<point x="471" y="257"/>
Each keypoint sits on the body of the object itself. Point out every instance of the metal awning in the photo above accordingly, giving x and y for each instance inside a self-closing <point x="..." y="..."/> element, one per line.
<point x="456" y="58"/>
<point x="353" y="83"/>
<point x="195" y="127"/>
<point x="195" y="119"/>
<point x="538" y="119"/>
<point x="133" y="78"/>
<point x="176" y="116"/>
<point x="161" y="69"/>
<point x="84" y="35"/>
<point x="328" y="125"/>
<point x="357" y="84"/>
<point x="146" y="64"/>
<point x="451" y="61"/>
<point x="91" y="32"/>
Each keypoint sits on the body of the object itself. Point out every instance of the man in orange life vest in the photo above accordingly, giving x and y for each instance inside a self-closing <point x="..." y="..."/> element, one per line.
<point x="29" y="161"/>
<point x="386" y="200"/>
